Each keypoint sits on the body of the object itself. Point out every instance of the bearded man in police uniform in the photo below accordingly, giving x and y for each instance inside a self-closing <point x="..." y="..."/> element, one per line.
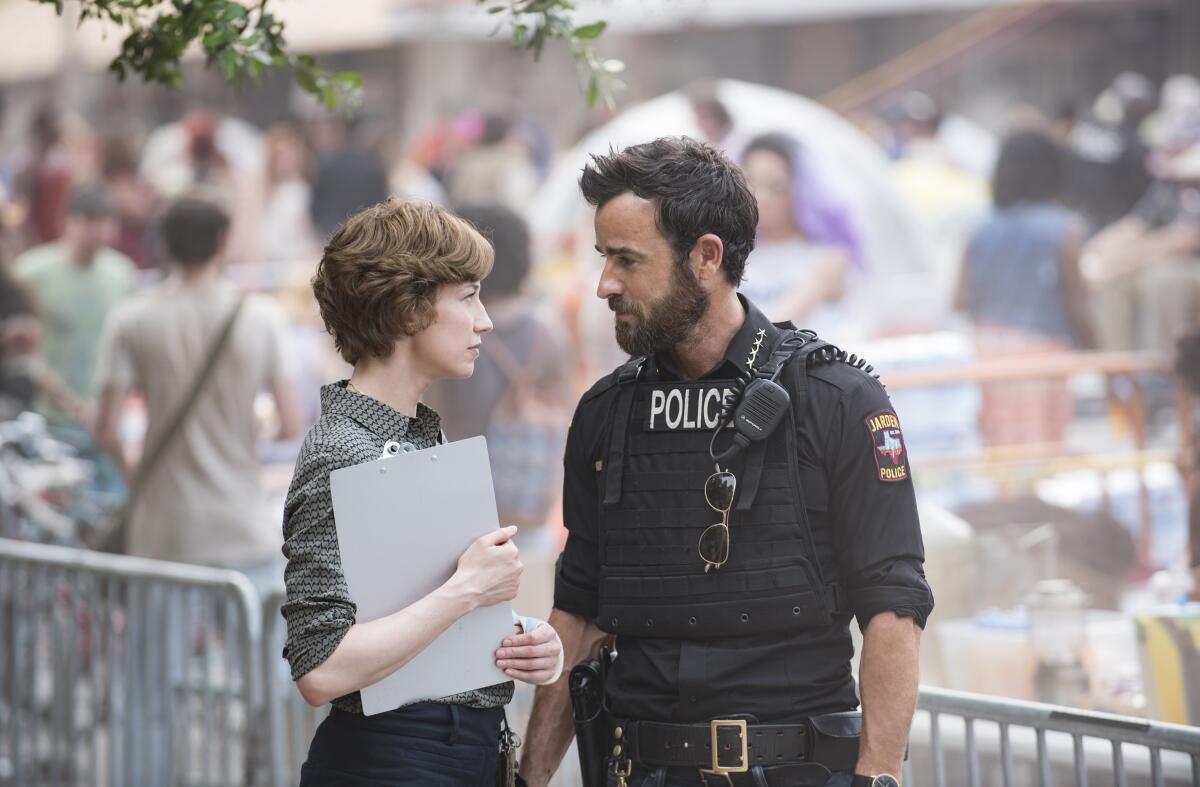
<point x="732" y="638"/>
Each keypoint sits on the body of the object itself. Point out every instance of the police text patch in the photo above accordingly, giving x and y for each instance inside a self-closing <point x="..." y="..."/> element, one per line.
<point x="891" y="460"/>
<point x="684" y="408"/>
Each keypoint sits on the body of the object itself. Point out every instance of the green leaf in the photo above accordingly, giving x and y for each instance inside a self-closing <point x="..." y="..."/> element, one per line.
<point x="593" y="91"/>
<point x="329" y="96"/>
<point x="232" y="12"/>
<point x="518" y="36"/>
<point x="537" y="43"/>
<point x="307" y="82"/>
<point x="588" y="32"/>
<point x="229" y="65"/>
<point x="496" y="9"/>
<point x="350" y="80"/>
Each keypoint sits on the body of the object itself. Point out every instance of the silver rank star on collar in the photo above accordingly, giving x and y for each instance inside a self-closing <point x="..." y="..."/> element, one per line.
<point x="758" y="340"/>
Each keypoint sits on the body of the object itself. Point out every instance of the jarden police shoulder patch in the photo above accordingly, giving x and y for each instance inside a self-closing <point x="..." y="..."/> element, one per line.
<point x="891" y="458"/>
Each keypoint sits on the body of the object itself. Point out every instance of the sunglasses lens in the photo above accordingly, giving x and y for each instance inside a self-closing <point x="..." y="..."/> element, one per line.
<point x="719" y="489"/>
<point x="714" y="543"/>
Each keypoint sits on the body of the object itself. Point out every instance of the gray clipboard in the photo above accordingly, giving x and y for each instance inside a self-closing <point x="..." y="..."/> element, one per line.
<point x="402" y="523"/>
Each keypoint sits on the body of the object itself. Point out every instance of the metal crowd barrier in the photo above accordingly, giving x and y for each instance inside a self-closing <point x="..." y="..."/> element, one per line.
<point x="122" y="672"/>
<point x="291" y="721"/>
<point x="981" y="741"/>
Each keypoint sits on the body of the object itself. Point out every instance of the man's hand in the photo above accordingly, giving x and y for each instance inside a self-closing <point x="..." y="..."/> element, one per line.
<point x="532" y="657"/>
<point x="550" y="729"/>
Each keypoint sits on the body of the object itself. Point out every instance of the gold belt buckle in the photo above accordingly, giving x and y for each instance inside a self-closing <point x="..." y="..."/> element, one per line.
<point x="706" y="774"/>
<point x="743" y="761"/>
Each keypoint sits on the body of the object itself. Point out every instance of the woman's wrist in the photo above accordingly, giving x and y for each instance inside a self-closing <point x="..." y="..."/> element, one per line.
<point x="457" y="593"/>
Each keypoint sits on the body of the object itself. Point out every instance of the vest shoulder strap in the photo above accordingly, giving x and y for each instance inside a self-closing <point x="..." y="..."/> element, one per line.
<point x="791" y="343"/>
<point x="625" y="373"/>
<point x="625" y="376"/>
<point x="630" y="371"/>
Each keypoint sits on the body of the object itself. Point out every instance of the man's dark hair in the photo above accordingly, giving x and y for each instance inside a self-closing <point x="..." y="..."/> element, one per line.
<point x="1029" y="169"/>
<point x="695" y="191"/>
<point x="509" y="236"/>
<point x="90" y="201"/>
<point x="193" y="226"/>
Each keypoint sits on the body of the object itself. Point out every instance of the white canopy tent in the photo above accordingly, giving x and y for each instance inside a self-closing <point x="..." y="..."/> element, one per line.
<point x="897" y="288"/>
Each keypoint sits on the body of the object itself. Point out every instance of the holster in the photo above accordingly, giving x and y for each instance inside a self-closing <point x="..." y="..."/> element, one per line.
<point x="590" y="713"/>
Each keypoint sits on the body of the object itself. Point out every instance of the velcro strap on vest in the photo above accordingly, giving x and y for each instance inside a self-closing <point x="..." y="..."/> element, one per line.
<point x="731" y="582"/>
<point x="686" y="585"/>
<point x="627" y="375"/>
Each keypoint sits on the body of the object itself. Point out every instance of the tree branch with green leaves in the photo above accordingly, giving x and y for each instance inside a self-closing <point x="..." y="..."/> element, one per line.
<point x="244" y="40"/>
<point x="533" y="22"/>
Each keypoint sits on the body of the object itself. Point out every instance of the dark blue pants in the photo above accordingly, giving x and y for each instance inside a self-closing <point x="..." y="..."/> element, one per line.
<point x="425" y="745"/>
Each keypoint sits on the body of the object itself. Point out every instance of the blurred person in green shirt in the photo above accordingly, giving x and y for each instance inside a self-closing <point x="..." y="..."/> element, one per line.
<point x="76" y="281"/>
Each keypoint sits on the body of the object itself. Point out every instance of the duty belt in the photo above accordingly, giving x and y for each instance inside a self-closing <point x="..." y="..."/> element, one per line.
<point x="731" y="746"/>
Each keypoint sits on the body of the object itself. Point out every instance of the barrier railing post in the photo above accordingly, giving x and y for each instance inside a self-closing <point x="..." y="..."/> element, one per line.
<point x="1059" y="744"/>
<point x="108" y="678"/>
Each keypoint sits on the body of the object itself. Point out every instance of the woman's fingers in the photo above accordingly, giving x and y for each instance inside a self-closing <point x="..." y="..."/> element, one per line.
<point x="538" y="676"/>
<point x="541" y="634"/>
<point x="499" y="536"/>
<point x="528" y="665"/>
<point x="532" y="657"/>
<point x="529" y="651"/>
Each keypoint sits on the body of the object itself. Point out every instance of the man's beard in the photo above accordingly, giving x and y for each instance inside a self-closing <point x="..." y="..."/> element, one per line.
<point x="665" y="323"/>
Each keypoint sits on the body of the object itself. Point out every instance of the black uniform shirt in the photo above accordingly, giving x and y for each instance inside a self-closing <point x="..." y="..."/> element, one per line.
<point x="859" y="495"/>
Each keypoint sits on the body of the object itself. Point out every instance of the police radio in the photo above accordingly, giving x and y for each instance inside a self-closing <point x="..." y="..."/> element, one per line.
<point x="763" y="405"/>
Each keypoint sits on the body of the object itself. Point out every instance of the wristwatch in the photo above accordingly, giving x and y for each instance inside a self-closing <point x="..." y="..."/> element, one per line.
<point x="880" y="780"/>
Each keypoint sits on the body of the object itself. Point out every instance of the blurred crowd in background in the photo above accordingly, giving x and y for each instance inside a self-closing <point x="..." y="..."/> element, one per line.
<point x="907" y="232"/>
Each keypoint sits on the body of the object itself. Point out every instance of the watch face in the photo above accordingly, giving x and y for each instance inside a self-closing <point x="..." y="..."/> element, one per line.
<point x="885" y="780"/>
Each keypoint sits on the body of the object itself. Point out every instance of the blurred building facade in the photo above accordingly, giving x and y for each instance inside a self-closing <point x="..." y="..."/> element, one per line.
<point x="425" y="58"/>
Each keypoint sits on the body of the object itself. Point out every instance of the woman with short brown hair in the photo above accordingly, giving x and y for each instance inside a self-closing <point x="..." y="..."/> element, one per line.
<point x="398" y="288"/>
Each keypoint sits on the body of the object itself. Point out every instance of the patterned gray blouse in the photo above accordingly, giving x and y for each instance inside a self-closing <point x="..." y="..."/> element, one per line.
<point x="352" y="429"/>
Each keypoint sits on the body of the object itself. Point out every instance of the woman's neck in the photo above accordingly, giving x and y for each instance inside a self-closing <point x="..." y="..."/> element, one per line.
<point x="396" y="381"/>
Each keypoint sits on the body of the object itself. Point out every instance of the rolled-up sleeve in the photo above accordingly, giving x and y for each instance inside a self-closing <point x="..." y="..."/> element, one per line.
<point x="576" y="576"/>
<point x="880" y="552"/>
<point x="318" y="609"/>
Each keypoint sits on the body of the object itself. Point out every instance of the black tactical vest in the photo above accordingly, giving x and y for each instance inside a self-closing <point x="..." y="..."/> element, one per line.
<point x="652" y="579"/>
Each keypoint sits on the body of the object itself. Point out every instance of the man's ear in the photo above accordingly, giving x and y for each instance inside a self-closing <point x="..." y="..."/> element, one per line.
<point x="707" y="255"/>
